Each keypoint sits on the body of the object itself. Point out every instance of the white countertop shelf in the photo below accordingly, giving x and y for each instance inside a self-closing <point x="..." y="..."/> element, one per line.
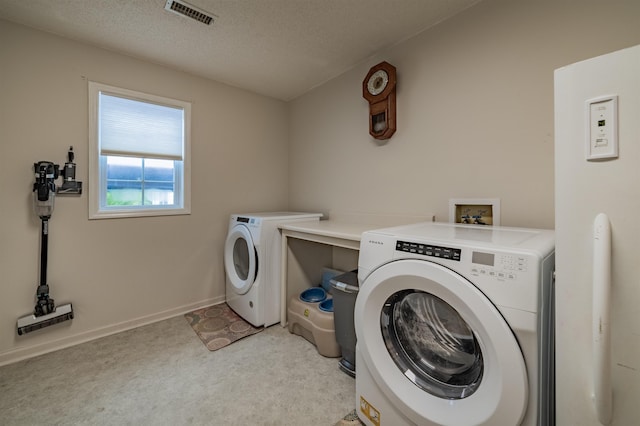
<point x="337" y="233"/>
<point x="341" y="234"/>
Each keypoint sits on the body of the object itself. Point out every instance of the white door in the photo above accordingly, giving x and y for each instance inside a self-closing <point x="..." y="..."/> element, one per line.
<point x="437" y="348"/>
<point x="583" y="190"/>
<point x="240" y="259"/>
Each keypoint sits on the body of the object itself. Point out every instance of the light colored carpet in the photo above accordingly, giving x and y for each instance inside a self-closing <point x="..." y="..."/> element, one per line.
<point x="162" y="374"/>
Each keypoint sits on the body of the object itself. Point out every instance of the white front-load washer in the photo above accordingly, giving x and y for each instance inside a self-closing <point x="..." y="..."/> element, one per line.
<point x="454" y="326"/>
<point x="252" y="264"/>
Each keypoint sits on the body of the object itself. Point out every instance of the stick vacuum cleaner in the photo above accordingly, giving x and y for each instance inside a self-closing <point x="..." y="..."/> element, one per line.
<point x="44" y="189"/>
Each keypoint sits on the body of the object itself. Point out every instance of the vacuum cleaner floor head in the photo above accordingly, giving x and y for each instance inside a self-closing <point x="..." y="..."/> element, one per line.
<point x="32" y="322"/>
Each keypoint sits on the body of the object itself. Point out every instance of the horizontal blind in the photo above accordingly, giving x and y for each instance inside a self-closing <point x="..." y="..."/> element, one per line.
<point x="140" y="129"/>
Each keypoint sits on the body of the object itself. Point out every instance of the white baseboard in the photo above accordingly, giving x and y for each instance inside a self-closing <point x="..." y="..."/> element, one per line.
<point x="19" y="354"/>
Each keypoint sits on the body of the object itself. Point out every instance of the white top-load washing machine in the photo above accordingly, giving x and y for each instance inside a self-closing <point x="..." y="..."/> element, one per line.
<point x="252" y="264"/>
<point x="454" y="326"/>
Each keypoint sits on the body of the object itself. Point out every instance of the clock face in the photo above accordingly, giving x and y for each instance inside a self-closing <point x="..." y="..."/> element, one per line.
<point x="377" y="82"/>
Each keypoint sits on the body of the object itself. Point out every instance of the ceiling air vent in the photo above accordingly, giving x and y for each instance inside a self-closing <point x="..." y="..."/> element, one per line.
<point x="185" y="9"/>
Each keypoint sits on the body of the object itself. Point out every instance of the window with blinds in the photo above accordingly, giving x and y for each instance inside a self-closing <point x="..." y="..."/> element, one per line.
<point x="139" y="152"/>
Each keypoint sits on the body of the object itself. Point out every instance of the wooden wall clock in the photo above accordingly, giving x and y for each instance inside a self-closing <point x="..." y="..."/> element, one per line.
<point x="379" y="89"/>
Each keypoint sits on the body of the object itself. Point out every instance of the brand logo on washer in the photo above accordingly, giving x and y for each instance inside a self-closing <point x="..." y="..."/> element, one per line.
<point x="380" y="243"/>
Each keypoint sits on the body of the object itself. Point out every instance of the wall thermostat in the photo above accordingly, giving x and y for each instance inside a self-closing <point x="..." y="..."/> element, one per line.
<point x="602" y="128"/>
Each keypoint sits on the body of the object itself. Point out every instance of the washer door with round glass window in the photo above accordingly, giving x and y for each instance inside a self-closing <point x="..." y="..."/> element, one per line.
<point x="437" y="347"/>
<point x="240" y="259"/>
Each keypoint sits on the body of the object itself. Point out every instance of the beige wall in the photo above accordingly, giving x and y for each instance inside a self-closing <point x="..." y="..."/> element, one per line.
<point x="475" y="114"/>
<point x="475" y="119"/>
<point x="122" y="272"/>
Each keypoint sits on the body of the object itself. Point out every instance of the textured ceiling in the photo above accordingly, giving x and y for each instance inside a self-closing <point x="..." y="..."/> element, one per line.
<point x="278" y="48"/>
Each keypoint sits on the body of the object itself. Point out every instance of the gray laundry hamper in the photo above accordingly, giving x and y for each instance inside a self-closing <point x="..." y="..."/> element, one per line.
<point x="345" y="290"/>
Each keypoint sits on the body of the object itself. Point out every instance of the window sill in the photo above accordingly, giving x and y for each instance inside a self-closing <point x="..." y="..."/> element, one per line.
<point x="125" y="213"/>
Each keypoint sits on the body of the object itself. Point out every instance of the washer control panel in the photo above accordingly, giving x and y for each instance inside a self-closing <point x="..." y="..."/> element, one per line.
<point x="500" y="266"/>
<point x="497" y="266"/>
<point x="248" y="220"/>
<point x="429" y="250"/>
<point x="251" y="222"/>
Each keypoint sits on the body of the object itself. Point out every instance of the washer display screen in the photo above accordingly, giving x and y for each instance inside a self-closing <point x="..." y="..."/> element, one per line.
<point x="482" y="258"/>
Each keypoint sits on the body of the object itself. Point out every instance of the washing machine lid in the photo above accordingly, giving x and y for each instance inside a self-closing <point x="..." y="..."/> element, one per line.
<point x="283" y="215"/>
<point x="240" y="259"/>
<point x="539" y="241"/>
<point x="438" y="348"/>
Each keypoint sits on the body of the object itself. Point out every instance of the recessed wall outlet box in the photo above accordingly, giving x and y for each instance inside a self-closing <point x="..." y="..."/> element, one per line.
<point x="602" y="128"/>
<point x="474" y="211"/>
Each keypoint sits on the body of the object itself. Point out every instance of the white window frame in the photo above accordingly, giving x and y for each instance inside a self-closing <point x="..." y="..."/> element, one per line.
<point x="97" y="171"/>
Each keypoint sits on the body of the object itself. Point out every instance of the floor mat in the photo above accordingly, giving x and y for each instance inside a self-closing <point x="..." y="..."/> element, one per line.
<point x="218" y="326"/>
<point x="350" y="419"/>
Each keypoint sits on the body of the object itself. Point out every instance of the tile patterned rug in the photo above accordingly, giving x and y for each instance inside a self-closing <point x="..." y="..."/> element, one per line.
<point x="218" y="326"/>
